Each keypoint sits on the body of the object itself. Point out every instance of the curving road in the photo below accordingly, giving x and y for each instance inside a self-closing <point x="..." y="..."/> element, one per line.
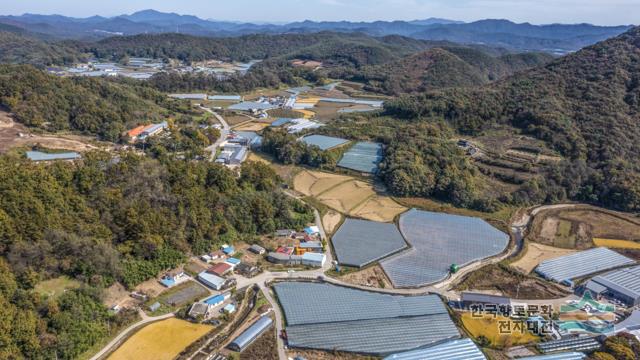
<point x="224" y="132"/>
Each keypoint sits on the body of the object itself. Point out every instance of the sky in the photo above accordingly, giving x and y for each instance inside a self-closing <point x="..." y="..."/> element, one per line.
<point x="600" y="12"/>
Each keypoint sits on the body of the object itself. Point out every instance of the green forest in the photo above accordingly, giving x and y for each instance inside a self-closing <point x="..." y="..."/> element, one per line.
<point x="120" y="219"/>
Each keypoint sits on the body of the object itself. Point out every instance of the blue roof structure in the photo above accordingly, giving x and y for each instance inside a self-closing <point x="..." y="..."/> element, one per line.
<point x="168" y="282"/>
<point x="42" y="156"/>
<point x="330" y="317"/>
<point x="361" y="242"/>
<point x="463" y="349"/>
<point x="439" y="240"/>
<point x="323" y="142"/>
<point x="228" y="250"/>
<point x="363" y="156"/>
<point x="214" y="300"/>
<point x="233" y="261"/>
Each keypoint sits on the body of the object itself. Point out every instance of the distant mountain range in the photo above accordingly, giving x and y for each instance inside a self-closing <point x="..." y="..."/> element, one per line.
<point x="555" y="38"/>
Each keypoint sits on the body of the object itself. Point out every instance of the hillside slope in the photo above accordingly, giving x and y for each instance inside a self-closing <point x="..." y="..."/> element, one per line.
<point x="585" y="105"/>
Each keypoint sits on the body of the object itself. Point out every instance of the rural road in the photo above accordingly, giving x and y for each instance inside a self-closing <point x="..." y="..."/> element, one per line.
<point x="116" y="341"/>
<point x="224" y="132"/>
<point x="518" y="228"/>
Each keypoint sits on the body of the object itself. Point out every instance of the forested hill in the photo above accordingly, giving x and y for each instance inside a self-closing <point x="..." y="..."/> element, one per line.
<point x="243" y="48"/>
<point x="586" y="105"/>
<point x="444" y="67"/>
<point x="19" y="47"/>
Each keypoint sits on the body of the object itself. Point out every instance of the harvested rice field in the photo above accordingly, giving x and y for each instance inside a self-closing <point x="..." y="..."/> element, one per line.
<point x="251" y="126"/>
<point x="330" y="221"/>
<point x="489" y="327"/>
<point x="162" y="340"/>
<point x="616" y="244"/>
<point x="347" y="195"/>
<point x="379" y="208"/>
<point x="536" y="253"/>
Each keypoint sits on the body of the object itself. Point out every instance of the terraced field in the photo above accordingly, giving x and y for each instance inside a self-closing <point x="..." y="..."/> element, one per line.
<point x="347" y="195"/>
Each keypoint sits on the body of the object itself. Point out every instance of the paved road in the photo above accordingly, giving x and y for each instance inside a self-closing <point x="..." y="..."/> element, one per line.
<point x="116" y="341"/>
<point x="282" y="355"/>
<point x="224" y="132"/>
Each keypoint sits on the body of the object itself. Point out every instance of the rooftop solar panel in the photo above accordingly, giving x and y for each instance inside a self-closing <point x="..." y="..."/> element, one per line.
<point x="363" y="157"/>
<point x="439" y="240"/>
<point x="581" y="264"/>
<point x="323" y="142"/>
<point x="361" y="242"/>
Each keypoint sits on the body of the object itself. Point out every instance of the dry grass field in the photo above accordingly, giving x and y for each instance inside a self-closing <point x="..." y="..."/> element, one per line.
<point x="372" y="276"/>
<point x="489" y="327"/>
<point x="347" y="195"/>
<point x="535" y="254"/>
<point x="616" y="244"/>
<point x="330" y="220"/>
<point x="56" y="286"/>
<point x="578" y="227"/>
<point x="379" y="208"/>
<point x="251" y="126"/>
<point x="162" y="340"/>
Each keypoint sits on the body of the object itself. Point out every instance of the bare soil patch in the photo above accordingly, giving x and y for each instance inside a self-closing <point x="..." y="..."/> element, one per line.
<point x="499" y="278"/>
<point x="314" y="183"/>
<point x="372" y="276"/>
<point x="117" y="294"/>
<point x="151" y="287"/>
<point x="264" y="348"/>
<point x="251" y="126"/>
<point x="535" y="254"/>
<point x="576" y="227"/>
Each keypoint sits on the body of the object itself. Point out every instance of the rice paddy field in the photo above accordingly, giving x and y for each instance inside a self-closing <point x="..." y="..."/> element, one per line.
<point x="347" y="195"/>
<point x="162" y="340"/>
<point x="489" y="327"/>
<point x="537" y="253"/>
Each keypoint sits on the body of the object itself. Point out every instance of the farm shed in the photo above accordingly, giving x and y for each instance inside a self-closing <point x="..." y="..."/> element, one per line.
<point x="623" y="284"/>
<point x="225" y="98"/>
<point x="250" y="106"/>
<point x="438" y="241"/>
<point x="219" y="269"/>
<point x="284" y="259"/>
<point x="463" y="349"/>
<point x="363" y="157"/>
<point x="361" y="242"/>
<point x="323" y="142"/>
<point x="313" y="259"/>
<point x="257" y="249"/>
<point x="251" y="334"/>
<point x="583" y="263"/>
<point x="213" y="281"/>
<point x="280" y="122"/>
<point x="330" y="317"/>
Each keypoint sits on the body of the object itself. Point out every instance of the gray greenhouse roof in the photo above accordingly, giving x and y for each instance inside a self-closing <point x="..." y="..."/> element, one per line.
<point x="361" y="242"/>
<point x="250" y="105"/>
<point x="42" y="156"/>
<point x="327" y="317"/>
<point x="363" y="157"/>
<point x="581" y="264"/>
<point x="323" y="142"/>
<point x="625" y="281"/>
<point x="253" y="332"/>
<point x="439" y="240"/>
<point x="559" y="356"/>
<point x="463" y="349"/>
<point x="377" y="336"/>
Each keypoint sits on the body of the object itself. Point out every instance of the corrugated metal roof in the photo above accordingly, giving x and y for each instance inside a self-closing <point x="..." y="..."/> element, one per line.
<point x="625" y="281"/>
<point x="463" y="349"/>
<point x="363" y="156"/>
<point x="361" y="242"/>
<point x="581" y="264"/>
<point x="323" y="142"/>
<point x="250" y="105"/>
<point x="571" y="344"/>
<point x="375" y="336"/>
<point x="595" y="287"/>
<point x="41" y="156"/>
<point x="485" y="298"/>
<point x="252" y="333"/>
<point x="310" y="256"/>
<point x="226" y="97"/>
<point x="439" y="240"/>
<point x="560" y="356"/>
<point x="280" y="121"/>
